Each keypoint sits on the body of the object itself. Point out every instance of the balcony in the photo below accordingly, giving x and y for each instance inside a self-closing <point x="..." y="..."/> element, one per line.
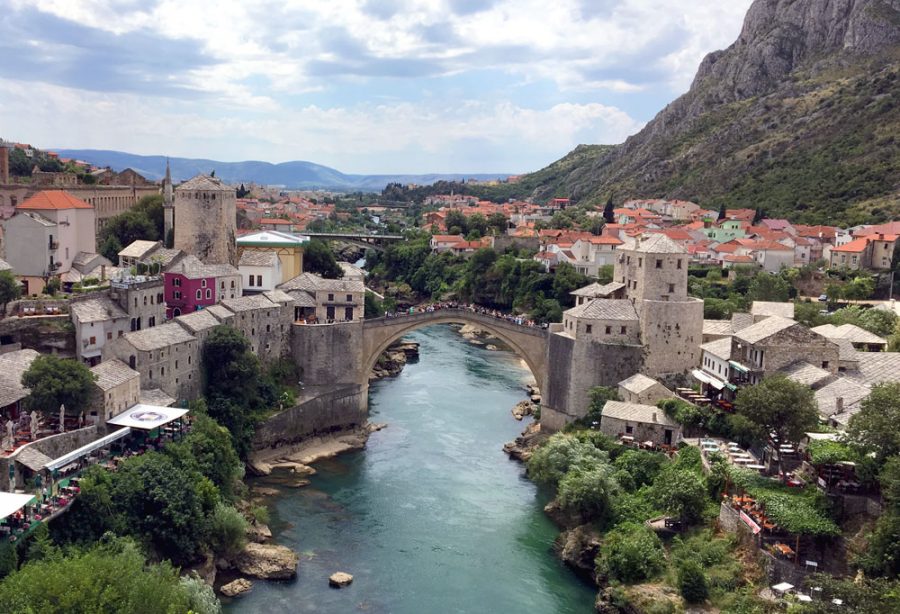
<point x="53" y="245"/>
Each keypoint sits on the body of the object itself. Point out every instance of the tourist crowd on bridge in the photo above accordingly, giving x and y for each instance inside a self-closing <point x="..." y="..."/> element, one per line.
<point x="512" y="318"/>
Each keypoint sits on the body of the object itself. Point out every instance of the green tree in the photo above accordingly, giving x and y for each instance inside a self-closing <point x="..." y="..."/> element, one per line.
<point x="318" y="258"/>
<point x="860" y="288"/>
<point x="56" y="381"/>
<point x="10" y="289"/>
<point x="692" y="582"/>
<point x="587" y="490"/>
<point x="562" y="453"/>
<point x="456" y="222"/>
<point x="766" y="287"/>
<point x="110" y="248"/>
<point x="642" y="466"/>
<point x="630" y="553"/>
<point x="565" y="281"/>
<point x="498" y="222"/>
<point x="681" y="493"/>
<point x="874" y="427"/>
<point x="111" y="577"/>
<point x="9" y="559"/>
<point x="780" y="406"/>
<point x="227" y="531"/>
<point x="608" y="214"/>
<point x="722" y="213"/>
<point x="373" y="308"/>
<point x="208" y="449"/>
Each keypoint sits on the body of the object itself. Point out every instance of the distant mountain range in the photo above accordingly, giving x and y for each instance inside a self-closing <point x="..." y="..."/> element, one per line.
<point x="292" y="175"/>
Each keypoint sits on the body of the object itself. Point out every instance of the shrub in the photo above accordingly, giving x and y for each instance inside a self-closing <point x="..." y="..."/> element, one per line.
<point x="630" y="553"/>
<point x="692" y="582"/>
<point x="681" y="493"/>
<point x="640" y="465"/>
<point x="587" y="491"/>
<point x="562" y="452"/>
<point x="227" y="530"/>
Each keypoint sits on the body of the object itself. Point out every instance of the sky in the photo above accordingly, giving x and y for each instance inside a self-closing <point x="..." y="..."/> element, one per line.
<point x="364" y="86"/>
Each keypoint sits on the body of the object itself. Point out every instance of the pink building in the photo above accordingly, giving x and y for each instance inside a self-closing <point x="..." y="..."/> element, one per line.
<point x="191" y="285"/>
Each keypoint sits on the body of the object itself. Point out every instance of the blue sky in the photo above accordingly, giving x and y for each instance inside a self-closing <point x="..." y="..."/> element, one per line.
<point x="365" y="86"/>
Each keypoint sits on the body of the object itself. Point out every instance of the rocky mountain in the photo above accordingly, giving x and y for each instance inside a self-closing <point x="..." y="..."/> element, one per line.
<point x="295" y="174"/>
<point x="801" y="116"/>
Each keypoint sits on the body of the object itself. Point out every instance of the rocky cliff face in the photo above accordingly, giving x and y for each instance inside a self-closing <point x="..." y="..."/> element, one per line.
<point x="803" y="76"/>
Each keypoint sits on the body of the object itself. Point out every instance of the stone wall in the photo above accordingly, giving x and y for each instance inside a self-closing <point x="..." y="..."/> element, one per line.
<point x="339" y="409"/>
<point x="671" y="331"/>
<point x="46" y="334"/>
<point x="53" y="447"/>
<point x="574" y="367"/>
<point x="328" y="354"/>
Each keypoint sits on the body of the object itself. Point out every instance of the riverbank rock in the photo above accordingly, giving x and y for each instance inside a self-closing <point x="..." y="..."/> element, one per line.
<point x="524" y="445"/>
<point x="206" y="570"/>
<point x="522" y="409"/>
<point x="267" y="561"/>
<point x="263" y="491"/>
<point x="340" y="579"/>
<point x="562" y="519"/>
<point x="394" y="358"/>
<point x="578" y="548"/>
<point x="491" y="347"/>
<point x="238" y="587"/>
<point x="258" y="532"/>
<point x="259" y="468"/>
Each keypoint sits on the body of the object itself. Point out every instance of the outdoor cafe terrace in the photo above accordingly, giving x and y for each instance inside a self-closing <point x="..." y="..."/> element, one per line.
<point x="44" y="488"/>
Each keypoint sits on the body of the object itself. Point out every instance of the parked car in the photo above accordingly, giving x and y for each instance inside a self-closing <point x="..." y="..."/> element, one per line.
<point x="823" y="298"/>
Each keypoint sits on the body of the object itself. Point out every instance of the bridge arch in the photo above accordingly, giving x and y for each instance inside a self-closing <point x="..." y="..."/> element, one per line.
<point x="529" y="343"/>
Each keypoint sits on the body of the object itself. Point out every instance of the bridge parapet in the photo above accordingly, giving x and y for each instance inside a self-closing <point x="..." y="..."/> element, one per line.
<point x="466" y="315"/>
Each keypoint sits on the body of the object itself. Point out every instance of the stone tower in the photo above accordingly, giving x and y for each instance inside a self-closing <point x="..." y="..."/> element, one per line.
<point x="168" y="206"/>
<point x="654" y="270"/>
<point x="205" y="215"/>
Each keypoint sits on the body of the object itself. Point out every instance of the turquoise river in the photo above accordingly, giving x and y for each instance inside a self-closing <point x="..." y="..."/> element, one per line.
<point x="432" y="516"/>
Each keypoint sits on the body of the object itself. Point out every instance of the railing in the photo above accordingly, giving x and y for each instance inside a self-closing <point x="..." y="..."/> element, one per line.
<point x="466" y="312"/>
<point x="53" y="244"/>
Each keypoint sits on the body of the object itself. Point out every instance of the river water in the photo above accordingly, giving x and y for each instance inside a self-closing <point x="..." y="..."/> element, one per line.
<point x="432" y="516"/>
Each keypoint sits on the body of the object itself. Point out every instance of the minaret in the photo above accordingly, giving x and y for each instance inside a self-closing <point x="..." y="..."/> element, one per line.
<point x="168" y="207"/>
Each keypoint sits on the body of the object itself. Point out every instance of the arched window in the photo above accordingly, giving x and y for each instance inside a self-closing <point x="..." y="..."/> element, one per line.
<point x="199" y="295"/>
<point x="132" y="361"/>
<point x="208" y="293"/>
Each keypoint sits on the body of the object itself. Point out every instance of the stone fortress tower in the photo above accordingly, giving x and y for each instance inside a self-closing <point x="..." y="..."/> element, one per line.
<point x="654" y="270"/>
<point x="205" y="220"/>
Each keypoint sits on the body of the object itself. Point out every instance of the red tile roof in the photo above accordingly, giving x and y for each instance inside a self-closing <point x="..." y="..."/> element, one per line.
<point x="53" y="199"/>
<point x="854" y="246"/>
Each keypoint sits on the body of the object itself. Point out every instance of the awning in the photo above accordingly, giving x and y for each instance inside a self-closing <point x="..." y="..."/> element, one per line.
<point x="739" y="366"/>
<point x="32" y="458"/>
<point x="147" y="417"/>
<point x="74" y="455"/>
<point x="10" y="503"/>
<point x="708" y="379"/>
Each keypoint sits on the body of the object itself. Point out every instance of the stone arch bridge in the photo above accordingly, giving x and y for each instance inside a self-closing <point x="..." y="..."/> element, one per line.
<point x="529" y="342"/>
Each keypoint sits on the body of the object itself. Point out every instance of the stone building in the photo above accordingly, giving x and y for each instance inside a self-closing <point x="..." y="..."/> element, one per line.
<point x="288" y="247"/>
<point x="206" y="220"/>
<point x="260" y="320"/>
<point x="117" y="388"/>
<point x="337" y="300"/>
<point x="260" y="271"/>
<point x="642" y="389"/>
<point x="605" y="321"/>
<point x="166" y="356"/>
<point x="643" y="423"/>
<point x="97" y="320"/>
<point x="775" y="343"/>
<point x="191" y="285"/>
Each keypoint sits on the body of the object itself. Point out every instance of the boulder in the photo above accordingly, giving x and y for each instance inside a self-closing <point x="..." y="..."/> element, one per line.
<point x="267" y="561"/>
<point x="339" y="579"/>
<point x="258" y="532"/>
<point x="578" y="548"/>
<point x="259" y="468"/>
<point x="238" y="587"/>
<point x="522" y="409"/>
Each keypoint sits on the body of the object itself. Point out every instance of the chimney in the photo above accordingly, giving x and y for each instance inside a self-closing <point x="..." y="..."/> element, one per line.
<point x="4" y="165"/>
<point x="654" y="416"/>
<point x="839" y="405"/>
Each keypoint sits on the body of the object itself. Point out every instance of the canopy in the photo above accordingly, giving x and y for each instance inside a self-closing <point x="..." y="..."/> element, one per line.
<point x="739" y="366"/>
<point x="74" y="455"/>
<point x="708" y="379"/>
<point x="783" y="587"/>
<point x="147" y="417"/>
<point x="10" y="503"/>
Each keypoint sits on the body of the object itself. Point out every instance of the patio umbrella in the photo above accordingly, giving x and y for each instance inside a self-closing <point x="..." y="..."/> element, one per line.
<point x="11" y="433"/>
<point x="34" y="425"/>
<point x="62" y="418"/>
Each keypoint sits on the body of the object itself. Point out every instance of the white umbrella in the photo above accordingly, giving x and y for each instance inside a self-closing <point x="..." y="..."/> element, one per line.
<point x="62" y="418"/>
<point x="34" y="424"/>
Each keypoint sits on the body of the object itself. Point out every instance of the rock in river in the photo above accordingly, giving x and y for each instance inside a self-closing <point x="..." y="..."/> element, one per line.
<point x="267" y="561"/>
<point x="238" y="587"/>
<point x="340" y="579"/>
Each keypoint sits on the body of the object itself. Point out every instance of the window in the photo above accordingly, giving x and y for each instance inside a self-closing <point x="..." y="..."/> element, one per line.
<point x="151" y="322"/>
<point x="177" y="294"/>
<point x="250" y="281"/>
<point x="162" y="372"/>
<point x="199" y="295"/>
<point x="609" y="330"/>
<point x="824" y="364"/>
<point x="658" y="264"/>
<point x="349" y="298"/>
<point x="624" y="330"/>
<point x="629" y="429"/>
<point x="108" y="336"/>
<point x="678" y="264"/>
<point x="93" y="340"/>
<point x="330" y="297"/>
<point x="202" y="283"/>
<point x="671" y="288"/>
<point x="222" y="284"/>
<point x="259" y="278"/>
<point x="176" y="364"/>
<point x="268" y="328"/>
<point x="640" y="262"/>
<point x="208" y="293"/>
<point x="176" y="282"/>
<point x="588" y="328"/>
<point x="258" y="281"/>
